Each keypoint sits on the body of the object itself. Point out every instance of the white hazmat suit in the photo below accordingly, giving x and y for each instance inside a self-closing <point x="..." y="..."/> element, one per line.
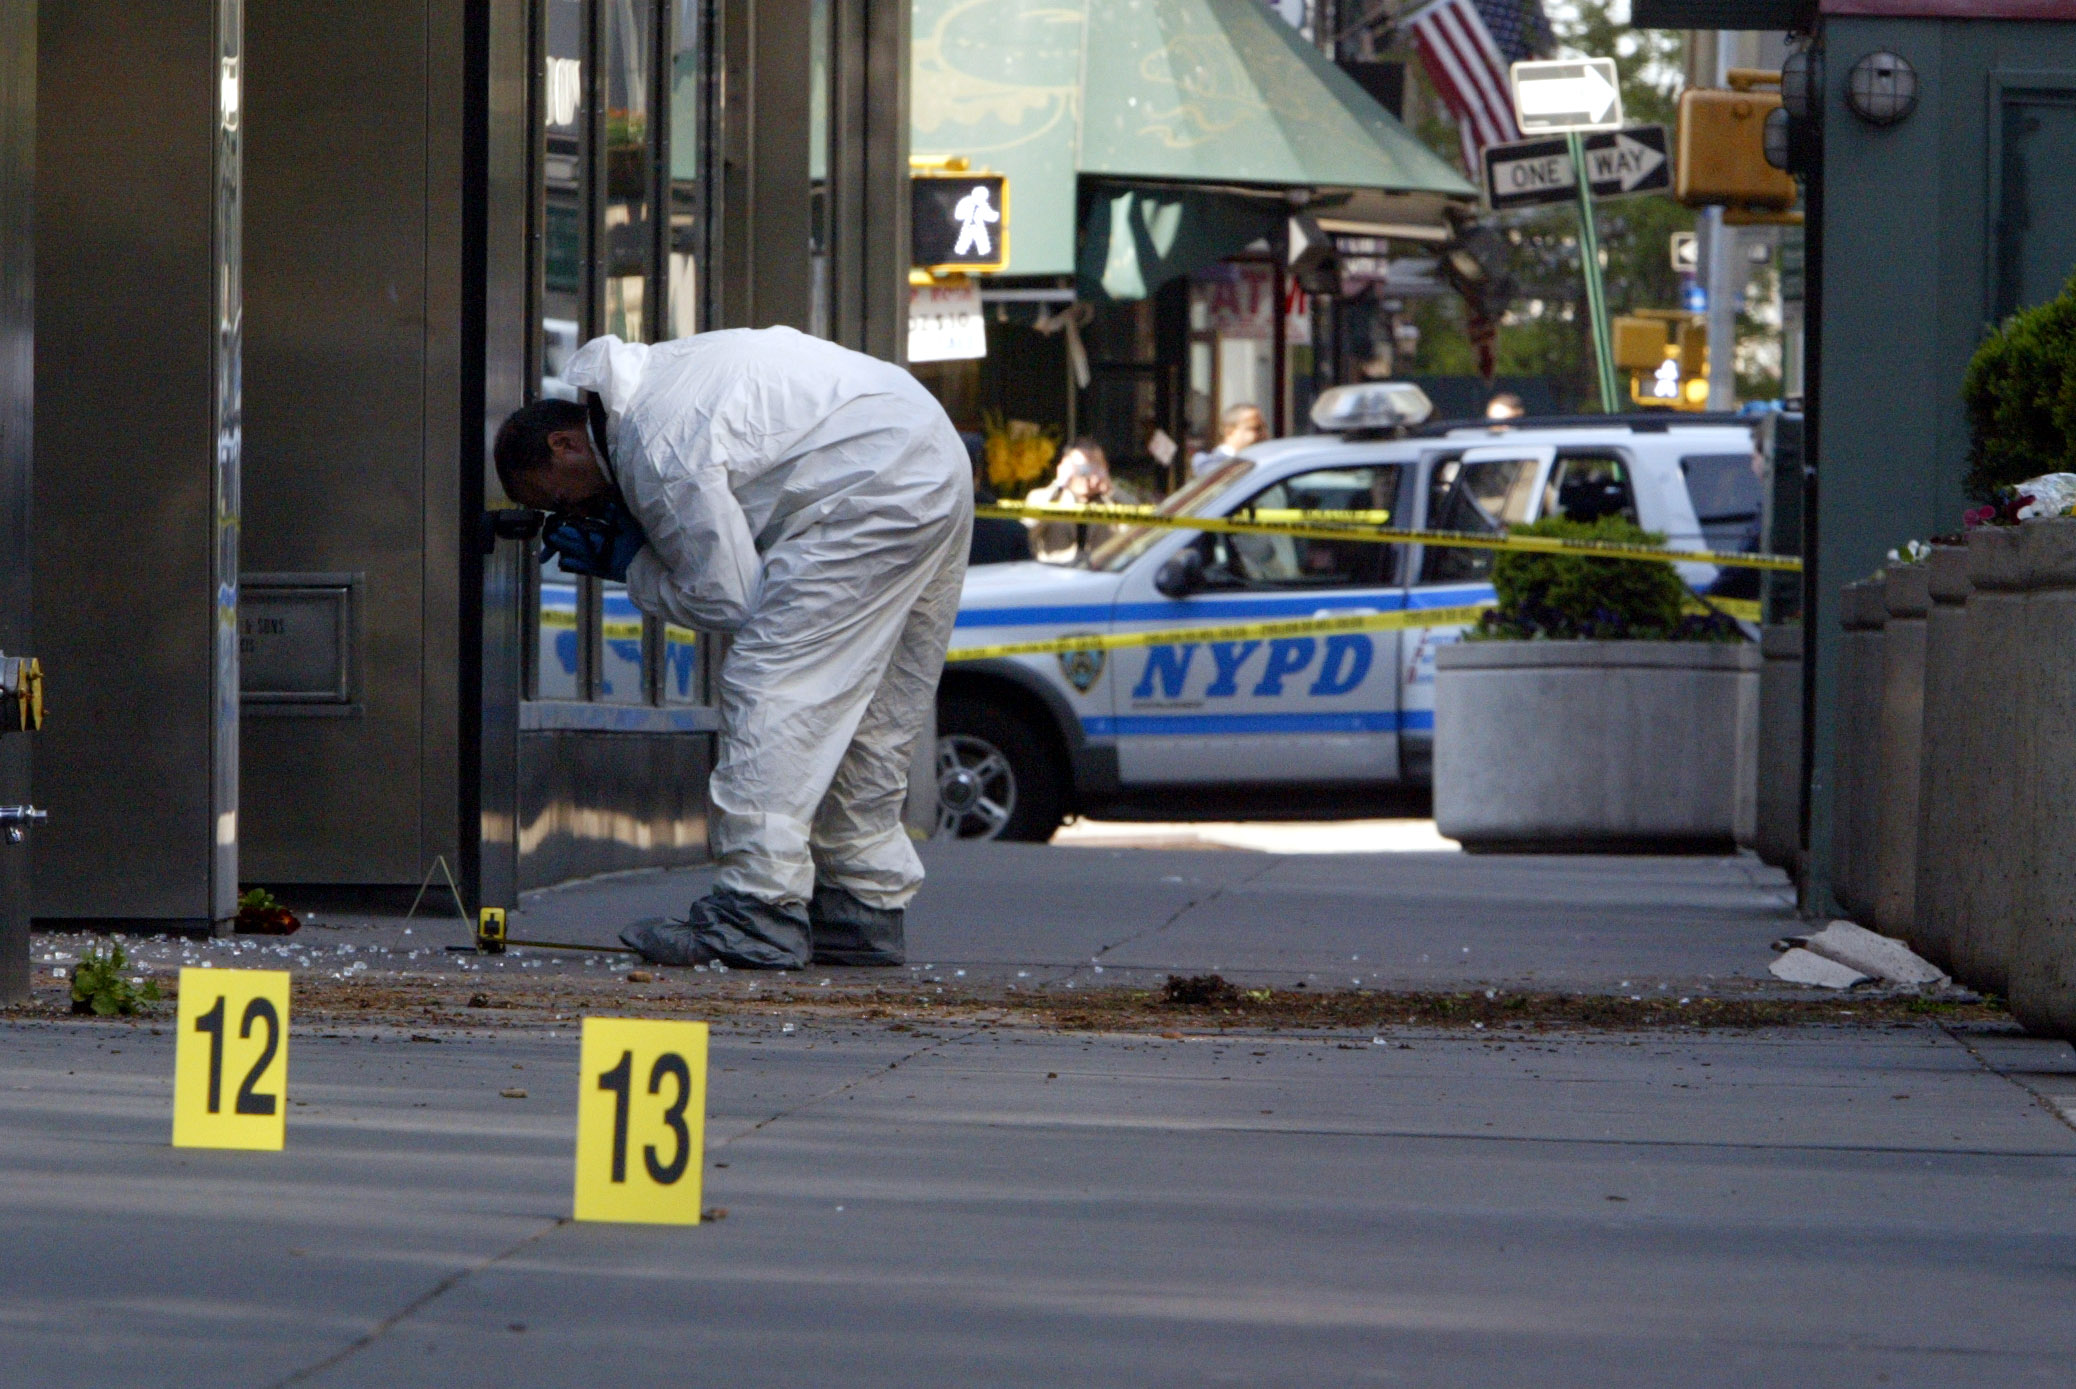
<point x="816" y="504"/>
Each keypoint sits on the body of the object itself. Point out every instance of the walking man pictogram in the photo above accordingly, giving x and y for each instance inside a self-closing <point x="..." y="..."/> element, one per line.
<point x="974" y="213"/>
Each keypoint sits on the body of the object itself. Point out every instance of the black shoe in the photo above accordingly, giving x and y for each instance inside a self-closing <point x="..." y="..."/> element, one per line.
<point x="848" y="932"/>
<point x="665" y="942"/>
<point x="730" y="928"/>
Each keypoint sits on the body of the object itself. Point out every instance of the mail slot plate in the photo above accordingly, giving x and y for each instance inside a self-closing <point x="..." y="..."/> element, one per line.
<point x="296" y="640"/>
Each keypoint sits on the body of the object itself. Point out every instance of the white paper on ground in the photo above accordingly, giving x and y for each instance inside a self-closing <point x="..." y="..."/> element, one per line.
<point x="1799" y="966"/>
<point x="1889" y="960"/>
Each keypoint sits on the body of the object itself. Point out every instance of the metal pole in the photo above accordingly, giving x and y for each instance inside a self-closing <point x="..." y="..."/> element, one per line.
<point x="1279" y="344"/>
<point x="1724" y="268"/>
<point x="1596" y="291"/>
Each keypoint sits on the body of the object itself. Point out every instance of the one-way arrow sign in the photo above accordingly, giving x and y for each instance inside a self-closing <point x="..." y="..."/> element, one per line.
<point x="1551" y="98"/>
<point x="1618" y="164"/>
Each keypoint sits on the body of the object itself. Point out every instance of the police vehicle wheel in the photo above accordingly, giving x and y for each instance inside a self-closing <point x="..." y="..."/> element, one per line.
<point x="995" y="778"/>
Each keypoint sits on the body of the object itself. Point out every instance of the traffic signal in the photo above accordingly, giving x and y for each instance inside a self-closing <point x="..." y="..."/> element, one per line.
<point x="1691" y="342"/>
<point x="1665" y="352"/>
<point x="1639" y="344"/>
<point x="1722" y="149"/>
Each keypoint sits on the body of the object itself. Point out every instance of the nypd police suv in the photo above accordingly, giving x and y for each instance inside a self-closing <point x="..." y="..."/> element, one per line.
<point x="1025" y="741"/>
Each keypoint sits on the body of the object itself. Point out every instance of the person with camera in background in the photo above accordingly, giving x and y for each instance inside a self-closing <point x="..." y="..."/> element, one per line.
<point x="1083" y="479"/>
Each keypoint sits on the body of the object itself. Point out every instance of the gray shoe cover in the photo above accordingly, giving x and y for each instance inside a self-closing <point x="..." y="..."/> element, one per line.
<point x="848" y="932"/>
<point x="730" y="927"/>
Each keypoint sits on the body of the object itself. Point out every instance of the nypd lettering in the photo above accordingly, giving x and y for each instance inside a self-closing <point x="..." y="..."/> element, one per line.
<point x="1338" y="665"/>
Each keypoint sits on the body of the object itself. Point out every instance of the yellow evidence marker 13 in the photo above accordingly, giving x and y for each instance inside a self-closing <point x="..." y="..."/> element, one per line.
<point x="230" y="1063"/>
<point x="641" y="1121"/>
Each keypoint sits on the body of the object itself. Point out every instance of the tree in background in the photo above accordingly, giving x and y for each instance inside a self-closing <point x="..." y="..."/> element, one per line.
<point x="1545" y="331"/>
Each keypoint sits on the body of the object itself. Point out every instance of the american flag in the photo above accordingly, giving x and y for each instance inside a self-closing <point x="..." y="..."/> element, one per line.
<point x="1467" y="46"/>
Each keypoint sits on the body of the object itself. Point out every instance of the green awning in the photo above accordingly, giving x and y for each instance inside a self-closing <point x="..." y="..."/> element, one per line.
<point x="1135" y="239"/>
<point x="1215" y="92"/>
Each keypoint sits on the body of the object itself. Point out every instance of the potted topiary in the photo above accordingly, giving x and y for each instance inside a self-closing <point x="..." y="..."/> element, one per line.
<point x="1592" y="711"/>
<point x="2020" y="394"/>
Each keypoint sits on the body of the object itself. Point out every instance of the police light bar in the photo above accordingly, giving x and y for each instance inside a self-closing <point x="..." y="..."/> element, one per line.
<point x="1371" y="405"/>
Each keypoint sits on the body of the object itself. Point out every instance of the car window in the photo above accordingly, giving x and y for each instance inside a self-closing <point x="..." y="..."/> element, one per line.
<point x="1588" y="486"/>
<point x="1193" y="498"/>
<point x="1289" y="561"/>
<point x="1478" y="498"/>
<point x="1725" y="490"/>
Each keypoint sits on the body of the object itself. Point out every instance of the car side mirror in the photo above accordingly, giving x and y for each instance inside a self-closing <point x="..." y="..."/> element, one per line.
<point x="1182" y="574"/>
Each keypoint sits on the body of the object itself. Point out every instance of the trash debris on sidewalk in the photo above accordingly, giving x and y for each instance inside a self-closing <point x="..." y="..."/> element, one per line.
<point x="1799" y="966"/>
<point x="1887" y="959"/>
<point x="260" y="913"/>
<point x="1843" y="955"/>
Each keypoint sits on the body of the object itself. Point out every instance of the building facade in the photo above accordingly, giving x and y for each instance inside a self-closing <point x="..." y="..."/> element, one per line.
<point x="298" y="263"/>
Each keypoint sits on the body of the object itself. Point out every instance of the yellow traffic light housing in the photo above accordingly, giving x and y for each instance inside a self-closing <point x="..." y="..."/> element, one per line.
<point x="1692" y="347"/>
<point x="1665" y="352"/>
<point x="1722" y="148"/>
<point x="1639" y="344"/>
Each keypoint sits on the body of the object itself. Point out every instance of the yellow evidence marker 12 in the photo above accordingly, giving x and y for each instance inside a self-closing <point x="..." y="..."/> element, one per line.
<point x="641" y="1121"/>
<point x="230" y="1063"/>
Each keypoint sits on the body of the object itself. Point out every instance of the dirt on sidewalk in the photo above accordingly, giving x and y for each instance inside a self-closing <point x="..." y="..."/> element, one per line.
<point x="1196" y="1003"/>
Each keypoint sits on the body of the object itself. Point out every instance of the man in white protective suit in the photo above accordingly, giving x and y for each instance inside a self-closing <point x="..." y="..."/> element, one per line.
<point x="816" y="504"/>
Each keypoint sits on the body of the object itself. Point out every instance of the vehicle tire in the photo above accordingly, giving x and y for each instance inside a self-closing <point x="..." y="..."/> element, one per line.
<point x="997" y="777"/>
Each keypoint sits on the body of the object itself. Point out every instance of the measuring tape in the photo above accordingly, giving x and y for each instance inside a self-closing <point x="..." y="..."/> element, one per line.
<point x="1330" y="525"/>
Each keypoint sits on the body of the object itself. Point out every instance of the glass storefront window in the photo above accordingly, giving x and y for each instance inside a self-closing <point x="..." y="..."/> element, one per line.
<point x="560" y="651"/>
<point x="628" y="235"/>
<point x="819" y="211"/>
<point x="564" y="112"/>
<point x="688" y="130"/>
<point x="622" y="239"/>
<point x="682" y="682"/>
<point x="626" y="240"/>
<point x="620" y="648"/>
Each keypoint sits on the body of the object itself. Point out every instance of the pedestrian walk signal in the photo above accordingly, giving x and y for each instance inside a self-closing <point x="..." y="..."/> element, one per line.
<point x="1665" y="353"/>
<point x="960" y="220"/>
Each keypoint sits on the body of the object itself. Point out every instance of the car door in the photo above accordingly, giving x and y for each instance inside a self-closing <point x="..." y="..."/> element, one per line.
<point x="1482" y="491"/>
<point x="1307" y="708"/>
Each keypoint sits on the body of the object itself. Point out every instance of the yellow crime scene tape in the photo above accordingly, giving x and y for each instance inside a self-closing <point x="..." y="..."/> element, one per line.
<point x="1743" y="609"/>
<point x="1331" y="525"/>
<point x="1246" y="631"/>
<point x="1461" y="616"/>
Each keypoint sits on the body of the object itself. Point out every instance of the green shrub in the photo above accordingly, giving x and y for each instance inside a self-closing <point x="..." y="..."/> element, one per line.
<point x="2020" y="393"/>
<point x="98" y="985"/>
<point x="1569" y="597"/>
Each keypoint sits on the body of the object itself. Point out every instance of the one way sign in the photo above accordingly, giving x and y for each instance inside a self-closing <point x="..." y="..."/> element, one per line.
<point x="1619" y="163"/>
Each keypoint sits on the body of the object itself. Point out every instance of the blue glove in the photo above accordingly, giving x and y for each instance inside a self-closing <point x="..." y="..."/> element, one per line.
<point x="601" y="546"/>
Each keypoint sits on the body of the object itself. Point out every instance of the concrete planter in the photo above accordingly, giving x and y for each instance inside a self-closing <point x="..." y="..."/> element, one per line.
<point x="1900" y="735"/>
<point x="1586" y="746"/>
<point x="1777" y="833"/>
<point x="1989" y="814"/>
<point x="1935" y="902"/>
<point x="2042" y="974"/>
<point x="1863" y="611"/>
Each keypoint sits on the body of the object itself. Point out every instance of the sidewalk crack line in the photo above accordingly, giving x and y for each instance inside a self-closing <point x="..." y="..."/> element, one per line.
<point x="416" y="1305"/>
<point x="849" y="1085"/>
<point x="1184" y="910"/>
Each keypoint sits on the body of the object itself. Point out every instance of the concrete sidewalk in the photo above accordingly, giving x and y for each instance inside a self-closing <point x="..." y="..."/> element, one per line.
<point x="951" y="1201"/>
<point x="904" y="1207"/>
<point x="1037" y="915"/>
<point x="1388" y="920"/>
